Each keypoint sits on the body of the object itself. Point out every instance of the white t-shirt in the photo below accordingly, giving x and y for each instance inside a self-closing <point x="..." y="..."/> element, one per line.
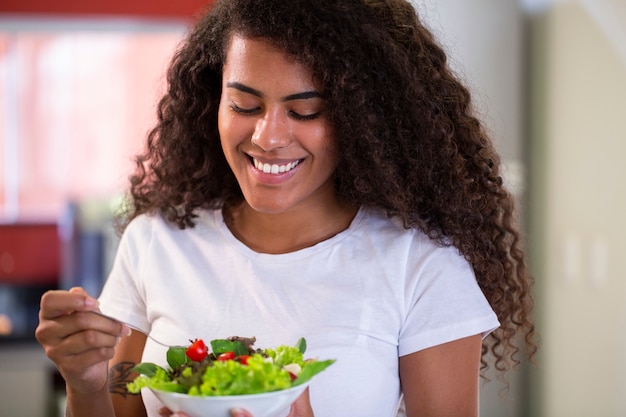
<point x="368" y="295"/>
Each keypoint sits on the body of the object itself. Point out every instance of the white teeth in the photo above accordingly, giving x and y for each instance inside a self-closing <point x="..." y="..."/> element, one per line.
<point x="275" y="168"/>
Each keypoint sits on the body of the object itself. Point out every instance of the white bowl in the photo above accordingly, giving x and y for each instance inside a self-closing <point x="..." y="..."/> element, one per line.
<point x="269" y="404"/>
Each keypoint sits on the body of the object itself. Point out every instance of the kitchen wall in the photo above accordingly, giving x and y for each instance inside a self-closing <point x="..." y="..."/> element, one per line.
<point x="578" y="201"/>
<point x="551" y="78"/>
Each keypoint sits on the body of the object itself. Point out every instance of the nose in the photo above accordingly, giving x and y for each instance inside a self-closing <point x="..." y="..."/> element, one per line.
<point x="271" y="131"/>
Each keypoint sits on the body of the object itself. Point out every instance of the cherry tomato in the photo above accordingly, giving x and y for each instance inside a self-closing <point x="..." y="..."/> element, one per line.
<point x="226" y="356"/>
<point x="243" y="359"/>
<point x="197" y="351"/>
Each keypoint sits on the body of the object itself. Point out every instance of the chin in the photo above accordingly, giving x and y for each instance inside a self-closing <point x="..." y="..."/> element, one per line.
<point x="271" y="210"/>
<point x="270" y="206"/>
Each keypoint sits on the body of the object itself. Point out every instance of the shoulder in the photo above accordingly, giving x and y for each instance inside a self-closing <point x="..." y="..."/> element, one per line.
<point x="142" y="227"/>
<point x="146" y="227"/>
<point x="390" y="232"/>
<point x="410" y="253"/>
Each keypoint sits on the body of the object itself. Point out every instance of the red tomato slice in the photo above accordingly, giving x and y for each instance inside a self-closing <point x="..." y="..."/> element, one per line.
<point x="226" y="356"/>
<point x="242" y="359"/>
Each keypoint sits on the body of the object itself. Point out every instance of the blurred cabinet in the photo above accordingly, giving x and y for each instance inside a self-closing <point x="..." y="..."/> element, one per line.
<point x="30" y="259"/>
<point x="30" y="256"/>
<point x="27" y="381"/>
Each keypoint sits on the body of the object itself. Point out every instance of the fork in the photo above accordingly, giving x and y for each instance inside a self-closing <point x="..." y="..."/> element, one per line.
<point x="131" y="327"/>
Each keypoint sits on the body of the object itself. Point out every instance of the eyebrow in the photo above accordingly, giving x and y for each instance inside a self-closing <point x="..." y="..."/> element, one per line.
<point x="298" y="96"/>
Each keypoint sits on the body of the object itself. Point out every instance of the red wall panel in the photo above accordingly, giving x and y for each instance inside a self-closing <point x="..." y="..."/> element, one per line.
<point x="142" y="8"/>
<point x="29" y="254"/>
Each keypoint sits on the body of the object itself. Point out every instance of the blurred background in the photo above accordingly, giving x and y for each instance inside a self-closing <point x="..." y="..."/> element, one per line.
<point x="79" y="82"/>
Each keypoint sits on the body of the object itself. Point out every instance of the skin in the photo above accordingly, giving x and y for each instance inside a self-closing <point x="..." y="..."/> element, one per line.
<point x="272" y="111"/>
<point x="80" y="344"/>
<point x="278" y="120"/>
<point x="442" y="381"/>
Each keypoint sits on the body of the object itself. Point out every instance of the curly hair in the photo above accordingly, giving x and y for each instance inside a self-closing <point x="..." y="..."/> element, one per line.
<point x="408" y="138"/>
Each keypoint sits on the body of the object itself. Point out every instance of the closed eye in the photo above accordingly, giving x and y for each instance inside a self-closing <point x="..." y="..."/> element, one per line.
<point x="255" y="110"/>
<point x="305" y="117"/>
<point x="242" y="110"/>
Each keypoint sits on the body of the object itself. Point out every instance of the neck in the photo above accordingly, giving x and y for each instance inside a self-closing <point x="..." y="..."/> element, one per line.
<point x="287" y="232"/>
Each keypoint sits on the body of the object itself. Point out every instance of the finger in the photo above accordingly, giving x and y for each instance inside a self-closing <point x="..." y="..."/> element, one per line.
<point x="78" y="290"/>
<point x="56" y="307"/>
<point x="59" y="346"/>
<point x="82" y="350"/>
<point x="82" y="321"/>
<point x="164" y="412"/>
<point x="109" y="324"/>
<point x="91" y="303"/>
<point x="302" y="406"/>
<point x="86" y="340"/>
<point x="71" y="360"/>
<point x="56" y="303"/>
<point x="83" y="329"/>
<point x="238" y="412"/>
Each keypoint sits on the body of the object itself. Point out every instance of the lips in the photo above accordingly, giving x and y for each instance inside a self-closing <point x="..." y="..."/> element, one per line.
<point x="276" y="168"/>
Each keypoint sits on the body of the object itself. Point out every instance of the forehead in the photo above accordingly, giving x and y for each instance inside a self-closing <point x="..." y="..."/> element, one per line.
<point x="256" y="58"/>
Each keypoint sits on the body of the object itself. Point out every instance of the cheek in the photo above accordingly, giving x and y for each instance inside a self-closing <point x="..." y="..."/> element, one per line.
<point x="226" y="139"/>
<point x="328" y="145"/>
<point x="233" y="130"/>
<point x="230" y="133"/>
<point x="222" y="121"/>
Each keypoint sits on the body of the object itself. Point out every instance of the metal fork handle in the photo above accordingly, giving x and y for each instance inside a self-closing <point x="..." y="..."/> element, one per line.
<point x="147" y="334"/>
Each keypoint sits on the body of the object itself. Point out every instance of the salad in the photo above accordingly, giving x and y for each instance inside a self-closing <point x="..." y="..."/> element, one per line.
<point x="232" y="367"/>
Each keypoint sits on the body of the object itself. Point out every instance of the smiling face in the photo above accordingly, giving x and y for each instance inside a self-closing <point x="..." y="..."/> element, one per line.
<point x="274" y="129"/>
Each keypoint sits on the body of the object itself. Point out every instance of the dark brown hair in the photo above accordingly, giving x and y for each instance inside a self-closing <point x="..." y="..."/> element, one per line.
<point x="409" y="141"/>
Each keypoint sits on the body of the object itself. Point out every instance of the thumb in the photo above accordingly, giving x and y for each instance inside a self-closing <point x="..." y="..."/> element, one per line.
<point x="302" y="406"/>
<point x="89" y="302"/>
<point x="78" y="290"/>
<point x="238" y="412"/>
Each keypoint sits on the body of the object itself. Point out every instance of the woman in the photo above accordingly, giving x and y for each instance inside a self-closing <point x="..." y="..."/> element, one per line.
<point x="316" y="171"/>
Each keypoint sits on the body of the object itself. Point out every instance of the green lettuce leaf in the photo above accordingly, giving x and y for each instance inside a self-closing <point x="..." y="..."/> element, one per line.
<point x="311" y="369"/>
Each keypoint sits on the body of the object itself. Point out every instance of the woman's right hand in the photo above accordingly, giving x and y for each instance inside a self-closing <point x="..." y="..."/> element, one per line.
<point x="78" y="341"/>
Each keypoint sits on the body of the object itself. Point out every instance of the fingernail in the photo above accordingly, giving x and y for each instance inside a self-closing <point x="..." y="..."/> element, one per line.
<point x="91" y="302"/>
<point x="125" y="330"/>
<point x="236" y="412"/>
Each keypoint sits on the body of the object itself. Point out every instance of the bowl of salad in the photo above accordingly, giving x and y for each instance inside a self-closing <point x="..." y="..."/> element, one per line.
<point x="209" y="380"/>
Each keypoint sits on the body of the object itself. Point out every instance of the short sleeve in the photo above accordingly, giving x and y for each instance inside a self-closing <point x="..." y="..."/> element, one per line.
<point x="123" y="296"/>
<point x="444" y="302"/>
